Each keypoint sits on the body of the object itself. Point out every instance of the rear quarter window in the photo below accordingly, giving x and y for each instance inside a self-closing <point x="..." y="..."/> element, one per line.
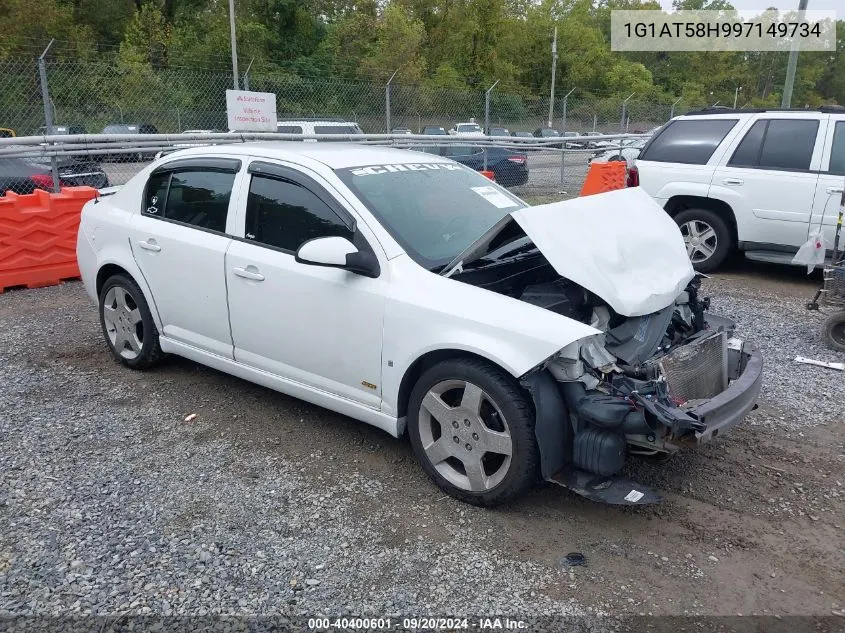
<point x="688" y="141"/>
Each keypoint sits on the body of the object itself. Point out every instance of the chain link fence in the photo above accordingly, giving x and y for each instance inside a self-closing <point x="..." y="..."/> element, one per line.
<point x="97" y="97"/>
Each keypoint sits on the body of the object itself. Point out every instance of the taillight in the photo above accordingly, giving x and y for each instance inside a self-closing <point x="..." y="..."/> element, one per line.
<point x="519" y="159"/>
<point x="633" y="177"/>
<point x="42" y="181"/>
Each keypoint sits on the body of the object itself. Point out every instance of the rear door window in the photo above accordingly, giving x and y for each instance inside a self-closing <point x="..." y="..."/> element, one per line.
<point x="690" y="141"/>
<point x="789" y="144"/>
<point x="196" y="197"/>
<point x="289" y="129"/>
<point x="837" y="151"/>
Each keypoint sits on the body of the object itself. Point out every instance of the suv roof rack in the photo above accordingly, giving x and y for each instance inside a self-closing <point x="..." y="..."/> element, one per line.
<point x="726" y="110"/>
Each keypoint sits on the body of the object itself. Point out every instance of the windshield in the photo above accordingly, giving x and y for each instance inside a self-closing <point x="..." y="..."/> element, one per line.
<point x="434" y="210"/>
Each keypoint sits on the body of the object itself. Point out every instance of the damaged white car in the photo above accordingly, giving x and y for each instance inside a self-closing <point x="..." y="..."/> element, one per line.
<point x="409" y="292"/>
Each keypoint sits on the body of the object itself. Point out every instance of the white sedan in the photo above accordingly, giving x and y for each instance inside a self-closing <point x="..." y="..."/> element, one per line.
<point x="410" y="292"/>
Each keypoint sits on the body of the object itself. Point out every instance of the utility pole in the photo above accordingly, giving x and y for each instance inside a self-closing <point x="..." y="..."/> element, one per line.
<point x="234" y="43"/>
<point x="48" y="112"/>
<point x="563" y="134"/>
<point x="554" y="67"/>
<point x="792" y="64"/>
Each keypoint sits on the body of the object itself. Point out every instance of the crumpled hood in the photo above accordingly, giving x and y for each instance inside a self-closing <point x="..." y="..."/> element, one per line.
<point x="620" y="245"/>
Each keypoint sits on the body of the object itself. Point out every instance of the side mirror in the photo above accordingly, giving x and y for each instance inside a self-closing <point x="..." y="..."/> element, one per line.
<point x="338" y="252"/>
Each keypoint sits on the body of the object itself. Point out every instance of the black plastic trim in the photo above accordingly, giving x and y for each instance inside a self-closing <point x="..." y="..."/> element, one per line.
<point x="227" y="165"/>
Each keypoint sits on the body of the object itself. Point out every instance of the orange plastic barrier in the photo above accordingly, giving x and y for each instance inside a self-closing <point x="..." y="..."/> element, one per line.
<point x="38" y="236"/>
<point x="605" y="177"/>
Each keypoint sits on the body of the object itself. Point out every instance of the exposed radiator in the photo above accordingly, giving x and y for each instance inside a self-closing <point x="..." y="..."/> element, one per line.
<point x="698" y="370"/>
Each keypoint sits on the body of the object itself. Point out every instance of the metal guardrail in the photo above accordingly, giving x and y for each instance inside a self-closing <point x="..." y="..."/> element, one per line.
<point x="555" y="164"/>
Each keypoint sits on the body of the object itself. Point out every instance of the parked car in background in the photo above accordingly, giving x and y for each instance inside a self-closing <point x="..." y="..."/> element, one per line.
<point x="467" y="129"/>
<point x="319" y="126"/>
<point x="625" y="150"/>
<point x="522" y="134"/>
<point x="73" y="128"/>
<point x="130" y="128"/>
<point x="499" y="131"/>
<point x="509" y="166"/>
<point x="547" y="133"/>
<point x="401" y="130"/>
<point x="572" y="140"/>
<point x="24" y="177"/>
<point x="7" y="132"/>
<point x="434" y="130"/>
<point x="757" y="182"/>
<point x="590" y="144"/>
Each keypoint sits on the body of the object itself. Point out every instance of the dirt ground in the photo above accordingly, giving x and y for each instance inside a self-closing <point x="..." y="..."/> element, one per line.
<point x="752" y="523"/>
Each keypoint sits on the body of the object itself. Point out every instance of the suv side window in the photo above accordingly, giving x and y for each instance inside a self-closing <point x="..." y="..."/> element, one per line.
<point x="837" y="150"/>
<point x="789" y="144"/>
<point x="747" y="152"/>
<point x="286" y="215"/>
<point x="197" y="197"/>
<point x="690" y="141"/>
<point x="777" y="144"/>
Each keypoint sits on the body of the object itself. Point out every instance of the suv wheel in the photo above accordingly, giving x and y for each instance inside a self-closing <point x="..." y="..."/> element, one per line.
<point x="472" y="429"/>
<point x="707" y="237"/>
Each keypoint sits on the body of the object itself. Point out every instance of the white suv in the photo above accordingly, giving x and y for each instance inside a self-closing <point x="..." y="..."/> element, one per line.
<point x="317" y="126"/>
<point x="753" y="181"/>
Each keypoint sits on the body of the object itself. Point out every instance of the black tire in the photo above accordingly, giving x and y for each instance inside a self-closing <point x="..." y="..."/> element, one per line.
<point x="724" y="237"/>
<point x="833" y="332"/>
<point x="150" y="348"/>
<point x="515" y="407"/>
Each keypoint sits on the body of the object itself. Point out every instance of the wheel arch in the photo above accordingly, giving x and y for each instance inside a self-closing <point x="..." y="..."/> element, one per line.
<point x="112" y="266"/>
<point x="427" y="360"/>
<point x="676" y="204"/>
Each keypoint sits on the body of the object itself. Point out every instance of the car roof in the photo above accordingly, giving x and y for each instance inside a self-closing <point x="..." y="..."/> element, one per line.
<point x="333" y="155"/>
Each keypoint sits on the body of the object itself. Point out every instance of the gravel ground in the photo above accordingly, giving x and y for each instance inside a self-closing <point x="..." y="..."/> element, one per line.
<point x="112" y="503"/>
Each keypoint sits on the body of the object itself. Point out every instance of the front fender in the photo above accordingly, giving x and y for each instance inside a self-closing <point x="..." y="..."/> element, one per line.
<point x="426" y="312"/>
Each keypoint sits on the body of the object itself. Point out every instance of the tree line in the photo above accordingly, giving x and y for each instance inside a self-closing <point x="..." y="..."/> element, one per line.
<point x="451" y="44"/>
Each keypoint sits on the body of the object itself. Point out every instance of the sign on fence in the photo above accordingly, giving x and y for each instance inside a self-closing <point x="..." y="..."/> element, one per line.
<point x="251" y="111"/>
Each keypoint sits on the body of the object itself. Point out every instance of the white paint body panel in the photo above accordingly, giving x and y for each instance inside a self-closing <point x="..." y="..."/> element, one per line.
<point x="620" y="245"/>
<point x="320" y="333"/>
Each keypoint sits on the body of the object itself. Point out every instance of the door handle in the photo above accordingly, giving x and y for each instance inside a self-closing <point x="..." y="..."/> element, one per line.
<point x="250" y="272"/>
<point x="149" y="245"/>
<point x="833" y="190"/>
<point x="733" y="181"/>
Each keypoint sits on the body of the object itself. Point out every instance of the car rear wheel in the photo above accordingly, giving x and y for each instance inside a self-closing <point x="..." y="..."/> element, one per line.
<point x="127" y="323"/>
<point x="833" y="331"/>
<point x="472" y="429"/>
<point x="707" y="238"/>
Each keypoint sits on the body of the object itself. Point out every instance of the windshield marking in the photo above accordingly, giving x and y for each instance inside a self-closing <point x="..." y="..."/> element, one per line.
<point x="384" y="169"/>
<point x="495" y="197"/>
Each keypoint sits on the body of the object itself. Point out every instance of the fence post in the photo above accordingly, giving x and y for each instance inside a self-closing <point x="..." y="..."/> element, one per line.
<point x="387" y="101"/>
<point x="672" y="112"/>
<point x="563" y="134"/>
<point x="625" y="112"/>
<point x="487" y="118"/>
<point x="48" y="112"/>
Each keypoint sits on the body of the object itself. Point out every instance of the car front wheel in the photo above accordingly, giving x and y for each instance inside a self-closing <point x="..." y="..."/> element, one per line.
<point x="127" y="323"/>
<point x="472" y="429"/>
<point x="707" y="238"/>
